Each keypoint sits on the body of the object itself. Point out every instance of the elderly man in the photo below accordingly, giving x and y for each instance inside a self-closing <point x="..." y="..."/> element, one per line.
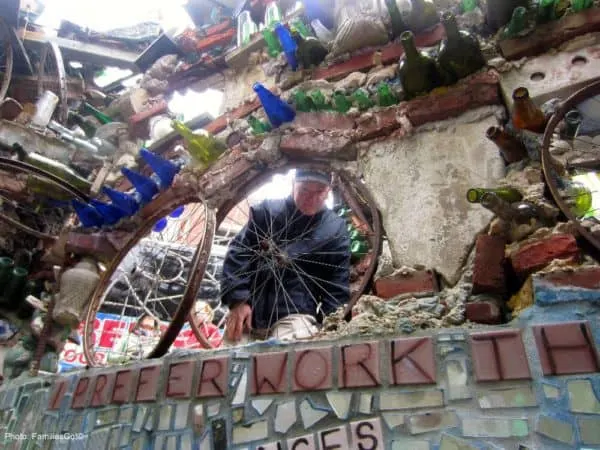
<point x="288" y="267"/>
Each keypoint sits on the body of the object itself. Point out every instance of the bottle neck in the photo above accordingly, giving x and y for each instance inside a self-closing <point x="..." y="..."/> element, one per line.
<point x="408" y="43"/>
<point x="451" y="27"/>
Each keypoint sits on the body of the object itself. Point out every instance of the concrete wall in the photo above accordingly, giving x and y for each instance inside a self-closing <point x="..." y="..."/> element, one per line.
<point x="534" y="383"/>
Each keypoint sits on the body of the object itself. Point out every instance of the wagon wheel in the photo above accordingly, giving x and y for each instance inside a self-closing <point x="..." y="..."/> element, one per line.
<point x="151" y="275"/>
<point x="233" y="215"/>
<point x="570" y="155"/>
<point x="6" y="58"/>
<point x="34" y="201"/>
<point x="52" y="77"/>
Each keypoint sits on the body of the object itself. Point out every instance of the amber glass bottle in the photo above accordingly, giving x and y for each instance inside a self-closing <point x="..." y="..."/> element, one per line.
<point x="418" y="72"/>
<point x="526" y="115"/>
<point x="510" y="148"/>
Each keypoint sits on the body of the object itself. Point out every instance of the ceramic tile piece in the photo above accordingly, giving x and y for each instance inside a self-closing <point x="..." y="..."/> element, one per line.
<point x="433" y="421"/>
<point x="147" y="383"/>
<point x="140" y="418"/>
<point x="390" y="401"/>
<point x="179" y="379"/>
<point x="159" y="442"/>
<point x="457" y="379"/>
<point x="98" y="439"/>
<point x="102" y="389"/>
<point x="213" y="409"/>
<point x="237" y="415"/>
<point x="366" y="434"/>
<point x="333" y="438"/>
<point x="181" y="415"/>
<point x="198" y="419"/>
<point x="240" y="394"/>
<point x="212" y="380"/>
<point x="149" y="425"/>
<point x="555" y="429"/>
<point x="507" y="398"/>
<point x="261" y="405"/>
<point x="205" y="443"/>
<point x="115" y="437"/>
<point x="412" y="361"/>
<point x="492" y="427"/>
<point x="123" y="387"/>
<point x="365" y="403"/>
<point x="589" y="430"/>
<point x="268" y="375"/>
<point x="186" y="442"/>
<point x="125" y="436"/>
<point x="253" y="432"/>
<point x="551" y="392"/>
<point x="393" y="420"/>
<point x="340" y="403"/>
<point x="106" y="417"/>
<point x="306" y="442"/>
<point x="582" y="398"/>
<point x="309" y="415"/>
<point x="270" y="446"/>
<point x="312" y="369"/>
<point x="359" y="365"/>
<point x="453" y="443"/>
<point x="499" y="355"/>
<point x="285" y="416"/>
<point x="164" y="418"/>
<point x="566" y="348"/>
<point x="126" y="415"/>
<point x="410" y="445"/>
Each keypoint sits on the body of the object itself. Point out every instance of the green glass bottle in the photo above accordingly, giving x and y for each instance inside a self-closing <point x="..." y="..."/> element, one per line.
<point x="102" y="118"/>
<point x="418" y="72"/>
<point x="319" y="100"/>
<point x="86" y="125"/>
<point x="423" y="15"/>
<point x="6" y="267"/>
<point x="310" y="51"/>
<point x="469" y="5"/>
<point x="341" y="103"/>
<point x="303" y="102"/>
<point x="475" y="195"/>
<point x="578" y="197"/>
<point x="358" y="249"/>
<point x="385" y="96"/>
<point x="362" y="100"/>
<point x="203" y="149"/>
<point x="518" y="23"/>
<point x="15" y="289"/>
<point x="573" y="121"/>
<point x="258" y="126"/>
<point x="580" y="5"/>
<point x="398" y="25"/>
<point x="300" y="26"/>
<point x="459" y="54"/>
<point x="273" y="45"/>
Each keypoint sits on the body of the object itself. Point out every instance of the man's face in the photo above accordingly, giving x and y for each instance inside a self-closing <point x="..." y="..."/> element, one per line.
<point x="147" y="324"/>
<point x="310" y="196"/>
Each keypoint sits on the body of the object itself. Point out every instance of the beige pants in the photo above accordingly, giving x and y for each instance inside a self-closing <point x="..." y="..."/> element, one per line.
<point x="290" y="328"/>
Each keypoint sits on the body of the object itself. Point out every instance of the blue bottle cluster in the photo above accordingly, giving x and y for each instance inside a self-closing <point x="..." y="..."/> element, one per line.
<point x="98" y="214"/>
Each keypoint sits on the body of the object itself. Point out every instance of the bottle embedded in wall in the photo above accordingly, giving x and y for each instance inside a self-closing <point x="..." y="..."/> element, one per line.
<point x="526" y="115"/>
<point x="398" y="24"/>
<point x="511" y="149"/>
<point x="511" y="195"/>
<point x="246" y="28"/>
<point x="459" y="53"/>
<point x="499" y="12"/>
<point x="423" y="15"/>
<point x="419" y="73"/>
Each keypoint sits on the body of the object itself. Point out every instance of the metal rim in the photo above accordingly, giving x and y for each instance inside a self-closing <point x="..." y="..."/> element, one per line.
<point x="8" y="50"/>
<point x="547" y="163"/>
<point x="159" y="208"/>
<point x="346" y="182"/>
<point x="16" y="167"/>
<point x="51" y="50"/>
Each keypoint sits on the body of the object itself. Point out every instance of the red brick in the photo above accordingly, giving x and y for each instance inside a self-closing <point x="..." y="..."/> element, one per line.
<point x="138" y="123"/>
<point x="488" y="267"/>
<point x="412" y="361"/>
<point x="381" y="123"/>
<point x="324" y="121"/>
<point x="499" y="355"/>
<point x="269" y="373"/>
<point x="212" y="381"/>
<point x="179" y="379"/>
<point x="566" y="348"/>
<point x="536" y="255"/>
<point x="359" y="365"/>
<point x="315" y="144"/>
<point x="147" y="384"/>
<point x="477" y="90"/>
<point x="103" y="387"/>
<point x="551" y="35"/>
<point x="220" y="123"/>
<point x="483" y="312"/>
<point x="391" y="53"/>
<point x="585" y="277"/>
<point x="312" y="369"/>
<point x="418" y="281"/>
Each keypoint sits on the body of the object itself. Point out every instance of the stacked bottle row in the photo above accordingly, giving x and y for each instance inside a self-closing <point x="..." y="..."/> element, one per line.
<point x="459" y="55"/>
<point x="15" y="285"/>
<point x="359" y="246"/>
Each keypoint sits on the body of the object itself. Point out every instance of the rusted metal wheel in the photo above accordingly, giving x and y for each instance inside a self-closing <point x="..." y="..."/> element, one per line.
<point x="157" y="272"/>
<point x="34" y="201"/>
<point x="6" y="58"/>
<point x="233" y="214"/>
<point x="53" y="77"/>
<point x="571" y="161"/>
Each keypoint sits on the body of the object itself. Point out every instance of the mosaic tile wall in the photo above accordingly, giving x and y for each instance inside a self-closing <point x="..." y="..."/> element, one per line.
<point x="535" y="385"/>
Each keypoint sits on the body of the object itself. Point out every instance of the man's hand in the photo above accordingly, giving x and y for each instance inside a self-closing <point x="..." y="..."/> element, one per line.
<point x="239" y="320"/>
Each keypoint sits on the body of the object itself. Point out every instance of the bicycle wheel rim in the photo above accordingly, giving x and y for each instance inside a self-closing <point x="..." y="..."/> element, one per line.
<point x="374" y="237"/>
<point x="53" y="77"/>
<point x="6" y="58"/>
<point x="159" y="208"/>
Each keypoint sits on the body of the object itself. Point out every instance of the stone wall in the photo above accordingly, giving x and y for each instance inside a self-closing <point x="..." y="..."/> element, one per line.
<point x="534" y="383"/>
